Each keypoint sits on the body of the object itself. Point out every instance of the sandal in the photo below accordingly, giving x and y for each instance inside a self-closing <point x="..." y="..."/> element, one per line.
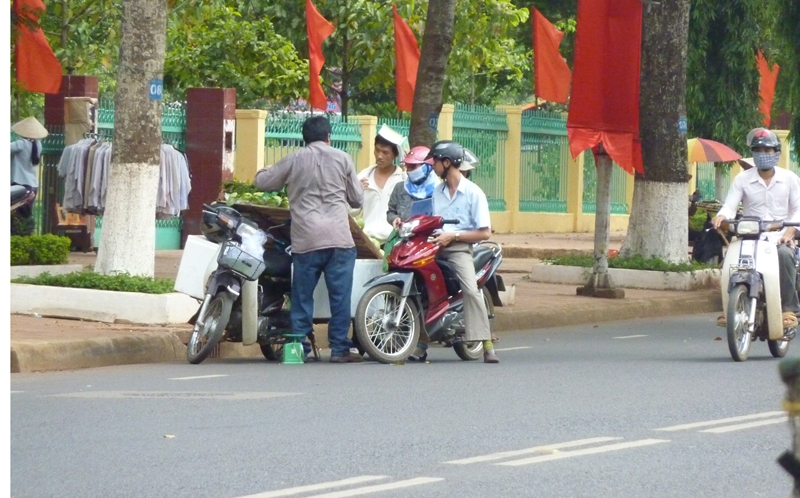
<point x="789" y="320"/>
<point x="722" y="321"/>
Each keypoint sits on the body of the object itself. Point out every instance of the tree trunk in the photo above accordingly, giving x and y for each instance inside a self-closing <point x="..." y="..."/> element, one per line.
<point x="720" y="175"/>
<point x="602" y="221"/>
<point x="129" y="220"/>
<point x="437" y="42"/>
<point x="659" y="222"/>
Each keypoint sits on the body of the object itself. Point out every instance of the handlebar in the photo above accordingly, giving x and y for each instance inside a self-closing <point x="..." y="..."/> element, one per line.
<point x="450" y="222"/>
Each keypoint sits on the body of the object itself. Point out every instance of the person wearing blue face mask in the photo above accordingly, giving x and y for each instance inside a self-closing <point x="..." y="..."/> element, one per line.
<point x="417" y="186"/>
<point x="769" y="193"/>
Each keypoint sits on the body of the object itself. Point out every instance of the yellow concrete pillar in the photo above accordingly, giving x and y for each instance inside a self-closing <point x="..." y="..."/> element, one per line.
<point x="575" y="187"/>
<point x="783" y="136"/>
<point x="693" y="181"/>
<point x="249" y="153"/>
<point x="445" y="124"/>
<point x="513" y="155"/>
<point x="369" y="129"/>
<point x="629" y="185"/>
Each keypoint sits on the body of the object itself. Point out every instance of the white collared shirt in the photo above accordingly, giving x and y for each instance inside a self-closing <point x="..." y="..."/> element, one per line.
<point x="780" y="200"/>
<point x="469" y="206"/>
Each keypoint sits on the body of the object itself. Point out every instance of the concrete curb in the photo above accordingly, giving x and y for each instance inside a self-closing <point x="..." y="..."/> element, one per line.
<point x="156" y="347"/>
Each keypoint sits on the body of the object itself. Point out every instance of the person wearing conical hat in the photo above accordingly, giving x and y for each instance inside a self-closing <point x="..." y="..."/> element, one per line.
<point x="379" y="181"/>
<point x="26" y="153"/>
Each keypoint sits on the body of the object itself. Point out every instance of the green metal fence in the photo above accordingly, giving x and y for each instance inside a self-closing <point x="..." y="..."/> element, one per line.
<point x="619" y="180"/>
<point x="173" y="122"/>
<point x="794" y="162"/>
<point x="484" y="131"/>
<point x="544" y="163"/>
<point x="706" y="173"/>
<point x="284" y="135"/>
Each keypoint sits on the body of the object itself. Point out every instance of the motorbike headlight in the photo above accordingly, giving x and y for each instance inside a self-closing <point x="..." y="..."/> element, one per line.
<point x="748" y="227"/>
<point x="407" y="229"/>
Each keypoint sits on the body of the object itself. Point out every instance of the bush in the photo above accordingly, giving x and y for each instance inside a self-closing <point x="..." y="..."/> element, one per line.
<point x="698" y="221"/>
<point x="120" y="282"/>
<point x="631" y="263"/>
<point x="21" y="225"/>
<point x="39" y="250"/>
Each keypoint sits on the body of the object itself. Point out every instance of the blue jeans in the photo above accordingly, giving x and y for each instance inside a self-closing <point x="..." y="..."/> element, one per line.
<point x="338" y="265"/>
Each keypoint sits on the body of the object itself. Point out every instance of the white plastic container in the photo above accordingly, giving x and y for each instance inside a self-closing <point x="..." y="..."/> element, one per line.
<point x="198" y="254"/>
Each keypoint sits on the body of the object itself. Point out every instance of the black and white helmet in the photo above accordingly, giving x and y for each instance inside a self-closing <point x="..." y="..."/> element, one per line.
<point x="762" y="137"/>
<point x="447" y="149"/>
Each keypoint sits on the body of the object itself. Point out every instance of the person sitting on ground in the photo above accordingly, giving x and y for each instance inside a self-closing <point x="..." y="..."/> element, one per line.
<point x="769" y="193"/>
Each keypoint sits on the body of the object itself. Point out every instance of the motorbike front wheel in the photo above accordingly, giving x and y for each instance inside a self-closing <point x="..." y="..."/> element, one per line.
<point x="204" y="338"/>
<point x="739" y="338"/>
<point x="376" y="328"/>
<point x="778" y="348"/>
<point x="471" y="351"/>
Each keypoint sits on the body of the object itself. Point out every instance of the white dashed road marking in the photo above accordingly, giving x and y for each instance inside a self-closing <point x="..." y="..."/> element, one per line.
<point x="535" y="449"/>
<point x="748" y="425"/>
<point x="347" y="492"/>
<point x="639" y="336"/>
<point x="721" y="421"/>
<point x="512" y="349"/>
<point x="583" y="452"/>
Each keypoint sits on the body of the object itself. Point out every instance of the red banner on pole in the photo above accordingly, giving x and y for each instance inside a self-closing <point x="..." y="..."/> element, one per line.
<point x="318" y="28"/>
<point x="550" y="70"/>
<point x="766" y="89"/>
<point x="37" y="68"/>
<point x="407" y="56"/>
<point x="604" y="102"/>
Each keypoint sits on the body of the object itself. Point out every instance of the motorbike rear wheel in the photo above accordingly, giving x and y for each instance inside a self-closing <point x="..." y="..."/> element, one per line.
<point x="739" y="339"/>
<point x="374" y="324"/>
<point x="215" y="319"/>
<point x="778" y="348"/>
<point x="471" y="351"/>
<point x="272" y="352"/>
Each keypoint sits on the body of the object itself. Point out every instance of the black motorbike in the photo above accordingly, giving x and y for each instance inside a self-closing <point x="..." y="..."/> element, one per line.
<point x="246" y="253"/>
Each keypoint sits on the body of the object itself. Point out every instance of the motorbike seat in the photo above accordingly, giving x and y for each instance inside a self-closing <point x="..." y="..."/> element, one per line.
<point x="481" y="255"/>
<point x="18" y="192"/>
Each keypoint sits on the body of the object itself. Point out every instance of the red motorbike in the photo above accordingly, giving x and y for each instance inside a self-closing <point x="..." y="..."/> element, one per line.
<point x="421" y="296"/>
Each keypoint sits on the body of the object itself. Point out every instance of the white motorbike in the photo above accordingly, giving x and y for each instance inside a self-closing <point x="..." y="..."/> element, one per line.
<point x="751" y="283"/>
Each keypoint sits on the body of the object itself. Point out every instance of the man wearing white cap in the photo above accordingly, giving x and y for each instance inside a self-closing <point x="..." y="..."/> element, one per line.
<point x="26" y="153"/>
<point x="379" y="181"/>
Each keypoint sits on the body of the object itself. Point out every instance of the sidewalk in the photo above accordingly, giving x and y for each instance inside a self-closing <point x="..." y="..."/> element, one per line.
<point x="45" y="344"/>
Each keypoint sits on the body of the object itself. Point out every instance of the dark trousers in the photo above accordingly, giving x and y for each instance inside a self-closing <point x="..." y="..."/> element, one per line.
<point x="788" y="278"/>
<point x="338" y="265"/>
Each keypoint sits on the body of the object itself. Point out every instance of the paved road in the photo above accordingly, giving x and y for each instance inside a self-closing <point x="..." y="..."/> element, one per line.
<point x="629" y="409"/>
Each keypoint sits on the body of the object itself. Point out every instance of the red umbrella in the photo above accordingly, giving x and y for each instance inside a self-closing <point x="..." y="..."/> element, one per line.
<point x="702" y="150"/>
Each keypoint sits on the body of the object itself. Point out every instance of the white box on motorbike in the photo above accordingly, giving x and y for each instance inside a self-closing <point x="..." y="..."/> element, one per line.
<point x="365" y="270"/>
<point x="198" y="253"/>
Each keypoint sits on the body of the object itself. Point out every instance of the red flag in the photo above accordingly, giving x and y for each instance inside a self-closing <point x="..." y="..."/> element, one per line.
<point x="766" y="88"/>
<point x="38" y="69"/>
<point x="551" y="73"/>
<point x="604" y="103"/>
<point x="318" y="29"/>
<point x="407" y="54"/>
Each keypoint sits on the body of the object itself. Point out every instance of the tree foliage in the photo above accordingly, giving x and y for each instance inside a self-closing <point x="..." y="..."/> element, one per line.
<point x="214" y="46"/>
<point x="787" y="44"/>
<point x="722" y="88"/>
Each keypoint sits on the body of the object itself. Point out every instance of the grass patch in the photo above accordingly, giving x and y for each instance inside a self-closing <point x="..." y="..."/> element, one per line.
<point x="631" y="263"/>
<point x="120" y="282"/>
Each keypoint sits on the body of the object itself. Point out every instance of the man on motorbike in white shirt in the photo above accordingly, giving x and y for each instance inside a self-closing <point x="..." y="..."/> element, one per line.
<point x="769" y="193"/>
